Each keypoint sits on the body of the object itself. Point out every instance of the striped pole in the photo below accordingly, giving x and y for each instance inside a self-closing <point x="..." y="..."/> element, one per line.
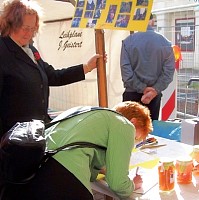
<point x="169" y="99"/>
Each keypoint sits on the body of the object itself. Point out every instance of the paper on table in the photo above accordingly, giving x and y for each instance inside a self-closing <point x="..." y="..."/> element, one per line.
<point x="147" y="169"/>
<point x="149" y="177"/>
<point x="141" y="159"/>
<point x="145" y="160"/>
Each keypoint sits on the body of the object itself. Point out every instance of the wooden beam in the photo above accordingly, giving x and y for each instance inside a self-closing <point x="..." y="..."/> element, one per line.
<point x="101" y="68"/>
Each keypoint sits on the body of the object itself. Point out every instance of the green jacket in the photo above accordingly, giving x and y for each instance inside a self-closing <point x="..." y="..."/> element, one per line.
<point x="104" y="128"/>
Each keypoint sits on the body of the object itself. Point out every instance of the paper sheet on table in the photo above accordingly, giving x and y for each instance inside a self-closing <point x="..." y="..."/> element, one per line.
<point x="147" y="174"/>
<point x="139" y="159"/>
<point x="149" y="177"/>
<point x="142" y="159"/>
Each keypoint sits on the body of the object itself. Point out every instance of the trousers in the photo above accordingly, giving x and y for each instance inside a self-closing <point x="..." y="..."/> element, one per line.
<point x="153" y="106"/>
<point x="52" y="182"/>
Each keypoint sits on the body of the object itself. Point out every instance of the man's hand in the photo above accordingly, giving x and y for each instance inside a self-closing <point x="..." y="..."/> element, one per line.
<point x="148" y="89"/>
<point x="149" y="94"/>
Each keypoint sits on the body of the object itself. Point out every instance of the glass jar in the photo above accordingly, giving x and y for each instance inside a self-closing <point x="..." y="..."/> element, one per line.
<point x="195" y="153"/>
<point x="195" y="157"/>
<point x="166" y="172"/>
<point x="184" y="167"/>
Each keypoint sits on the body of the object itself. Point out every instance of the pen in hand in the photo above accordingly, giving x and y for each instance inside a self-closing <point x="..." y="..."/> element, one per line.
<point x="137" y="180"/>
<point x="136" y="172"/>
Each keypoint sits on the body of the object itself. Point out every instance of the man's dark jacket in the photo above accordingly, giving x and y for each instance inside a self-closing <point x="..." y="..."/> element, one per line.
<point x="24" y="85"/>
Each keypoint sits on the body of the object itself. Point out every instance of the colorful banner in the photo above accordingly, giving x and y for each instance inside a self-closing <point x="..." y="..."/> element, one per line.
<point x="112" y="14"/>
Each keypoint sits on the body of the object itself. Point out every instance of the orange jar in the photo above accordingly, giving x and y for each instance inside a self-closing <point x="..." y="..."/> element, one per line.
<point x="195" y="157"/>
<point x="184" y="167"/>
<point x="195" y="153"/>
<point x="166" y="172"/>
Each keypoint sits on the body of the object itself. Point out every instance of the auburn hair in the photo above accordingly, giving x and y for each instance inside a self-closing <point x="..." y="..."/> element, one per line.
<point x="132" y="109"/>
<point x="11" y="19"/>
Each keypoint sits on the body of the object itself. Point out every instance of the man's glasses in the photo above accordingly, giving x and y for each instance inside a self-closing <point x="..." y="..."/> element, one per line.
<point x="27" y="29"/>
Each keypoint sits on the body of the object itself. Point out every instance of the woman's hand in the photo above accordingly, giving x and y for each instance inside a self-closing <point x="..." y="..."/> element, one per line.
<point x="103" y="171"/>
<point x="92" y="63"/>
<point x="137" y="181"/>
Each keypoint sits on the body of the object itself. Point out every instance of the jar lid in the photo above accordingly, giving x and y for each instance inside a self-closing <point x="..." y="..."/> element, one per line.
<point x="196" y="148"/>
<point x="184" y="159"/>
<point x="166" y="160"/>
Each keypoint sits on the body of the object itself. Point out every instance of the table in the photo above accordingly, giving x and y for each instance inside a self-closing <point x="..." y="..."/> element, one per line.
<point x="173" y="150"/>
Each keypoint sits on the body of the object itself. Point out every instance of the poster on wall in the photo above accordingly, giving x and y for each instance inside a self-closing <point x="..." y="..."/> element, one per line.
<point x="185" y="34"/>
<point x="112" y="14"/>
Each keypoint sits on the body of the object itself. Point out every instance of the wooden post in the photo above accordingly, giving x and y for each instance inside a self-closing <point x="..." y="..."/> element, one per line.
<point x="101" y="69"/>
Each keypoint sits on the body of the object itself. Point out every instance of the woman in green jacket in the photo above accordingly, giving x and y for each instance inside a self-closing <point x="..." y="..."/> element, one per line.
<point x="67" y="175"/>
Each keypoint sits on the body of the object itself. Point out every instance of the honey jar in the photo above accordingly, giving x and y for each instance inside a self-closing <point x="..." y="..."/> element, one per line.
<point x="184" y="167"/>
<point x="195" y="157"/>
<point x="195" y="153"/>
<point x="166" y="172"/>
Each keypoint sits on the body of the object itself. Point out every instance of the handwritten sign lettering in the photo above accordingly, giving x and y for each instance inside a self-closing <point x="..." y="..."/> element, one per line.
<point x="70" y="39"/>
